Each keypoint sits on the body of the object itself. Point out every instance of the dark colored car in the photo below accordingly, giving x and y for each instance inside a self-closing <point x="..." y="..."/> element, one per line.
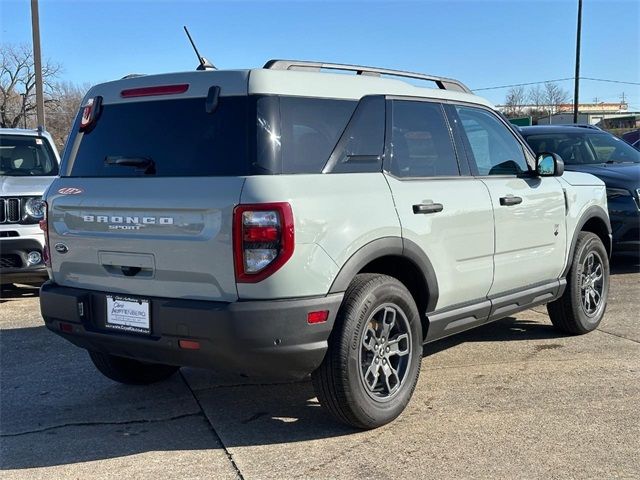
<point x="632" y="137"/>
<point x="591" y="150"/>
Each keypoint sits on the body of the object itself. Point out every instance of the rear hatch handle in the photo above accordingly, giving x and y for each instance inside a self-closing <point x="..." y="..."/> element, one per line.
<point x="143" y="163"/>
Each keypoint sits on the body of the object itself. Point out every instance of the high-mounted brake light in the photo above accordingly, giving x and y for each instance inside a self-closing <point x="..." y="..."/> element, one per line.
<point x="263" y="239"/>
<point x="151" y="91"/>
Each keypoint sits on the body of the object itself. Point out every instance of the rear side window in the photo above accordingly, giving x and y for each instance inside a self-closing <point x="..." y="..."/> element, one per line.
<point x="178" y="136"/>
<point x="493" y="147"/>
<point x="421" y="145"/>
<point x="22" y="155"/>
<point x="361" y="146"/>
<point x="297" y="134"/>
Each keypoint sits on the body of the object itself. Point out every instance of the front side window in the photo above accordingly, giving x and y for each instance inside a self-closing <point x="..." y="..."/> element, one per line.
<point x="493" y="147"/>
<point x="22" y="155"/>
<point x="421" y="144"/>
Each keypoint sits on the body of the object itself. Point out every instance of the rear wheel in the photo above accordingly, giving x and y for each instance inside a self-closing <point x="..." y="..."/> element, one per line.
<point x="371" y="367"/>
<point x="129" y="371"/>
<point x="582" y="306"/>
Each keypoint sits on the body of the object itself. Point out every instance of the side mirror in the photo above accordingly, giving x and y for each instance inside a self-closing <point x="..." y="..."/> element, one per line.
<point x="549" y="165"/>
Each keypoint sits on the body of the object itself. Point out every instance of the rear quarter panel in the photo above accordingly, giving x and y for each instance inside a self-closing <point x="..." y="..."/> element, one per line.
<point x="334" y="216"/>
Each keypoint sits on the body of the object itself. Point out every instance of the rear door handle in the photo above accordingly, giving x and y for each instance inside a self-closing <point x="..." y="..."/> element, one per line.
<point x="510" y="200"/>
<point x="427" y="208"/>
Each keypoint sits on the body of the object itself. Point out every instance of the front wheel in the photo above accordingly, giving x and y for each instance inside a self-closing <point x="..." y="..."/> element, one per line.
<point x="582" y="306"/>
<point x="129" y="371"/>
<point x="372" y="364"/>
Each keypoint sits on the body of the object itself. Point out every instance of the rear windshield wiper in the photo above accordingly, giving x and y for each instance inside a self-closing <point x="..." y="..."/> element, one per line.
<point x="142" y="163"/>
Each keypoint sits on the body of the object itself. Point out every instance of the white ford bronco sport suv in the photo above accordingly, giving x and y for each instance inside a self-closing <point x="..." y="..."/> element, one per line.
<point x="289" y="221"/>
<point x="28" y="164"/>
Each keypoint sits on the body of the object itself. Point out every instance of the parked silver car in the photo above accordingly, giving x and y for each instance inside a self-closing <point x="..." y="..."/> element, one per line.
<point x="28" y="164"/>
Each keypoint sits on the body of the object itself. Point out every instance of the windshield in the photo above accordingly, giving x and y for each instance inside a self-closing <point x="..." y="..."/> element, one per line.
<point x="22" y="155"/>
<point x="585" y="148"/>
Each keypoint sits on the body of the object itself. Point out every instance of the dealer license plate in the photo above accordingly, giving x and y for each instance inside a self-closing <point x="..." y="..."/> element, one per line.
<point x="128" y="314"/>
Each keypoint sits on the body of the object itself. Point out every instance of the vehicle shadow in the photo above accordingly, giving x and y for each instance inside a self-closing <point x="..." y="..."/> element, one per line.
<point x="623" y="264"/>
<point x="15" y="292"/>
<point x="57" y="410"/>
<point x="508" y="330"/>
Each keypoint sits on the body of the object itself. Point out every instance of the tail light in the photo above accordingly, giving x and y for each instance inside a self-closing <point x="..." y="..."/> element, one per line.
<point x="263" y="239"/>
<point x="44" y="226"/>
<point x="90" y="112"/>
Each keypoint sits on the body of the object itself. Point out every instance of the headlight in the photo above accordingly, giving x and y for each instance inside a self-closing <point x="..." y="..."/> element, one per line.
<point x="35" y="208"/>
<point x="617" y="192"/>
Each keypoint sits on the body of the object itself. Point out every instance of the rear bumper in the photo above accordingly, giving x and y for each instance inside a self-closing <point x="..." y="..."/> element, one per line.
<point x="14" y="267"/>
<point x="254" y="338"/>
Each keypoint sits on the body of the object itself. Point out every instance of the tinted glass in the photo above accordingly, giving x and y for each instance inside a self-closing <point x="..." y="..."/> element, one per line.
<point x="420" y="141"/>
<point x="581" y="148"/>
<point x="362" y="143"/>
<point x="26" y="156"/>
<point x="179" y="136"/>
<point x="296" y="134"/>
<point x="494" y="148"/>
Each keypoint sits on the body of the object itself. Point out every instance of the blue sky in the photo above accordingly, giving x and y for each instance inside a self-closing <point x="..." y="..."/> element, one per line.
<point x="483" y="43"/>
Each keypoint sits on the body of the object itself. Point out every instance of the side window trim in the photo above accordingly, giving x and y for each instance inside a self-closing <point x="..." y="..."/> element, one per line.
<point x="386" y="162"/>
<point x="465" y="165"/>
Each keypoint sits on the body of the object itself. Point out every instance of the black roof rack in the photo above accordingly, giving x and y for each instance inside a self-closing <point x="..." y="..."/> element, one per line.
<point x="442" y="82"/>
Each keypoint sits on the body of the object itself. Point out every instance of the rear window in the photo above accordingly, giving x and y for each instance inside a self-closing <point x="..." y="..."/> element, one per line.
<point x="243" y="136"/>
<point x="22" y="155"/>
<point x="178" y="136"/>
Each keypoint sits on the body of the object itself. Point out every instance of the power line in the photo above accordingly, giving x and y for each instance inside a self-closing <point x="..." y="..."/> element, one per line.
<point x="556" y="80"/>
<point x="521" y="84"/>
<point x="609" y="81"/>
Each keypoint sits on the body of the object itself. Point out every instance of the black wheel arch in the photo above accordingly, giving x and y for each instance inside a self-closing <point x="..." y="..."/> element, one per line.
<point x="384" y="253"/>
<point x="595" y="220"/>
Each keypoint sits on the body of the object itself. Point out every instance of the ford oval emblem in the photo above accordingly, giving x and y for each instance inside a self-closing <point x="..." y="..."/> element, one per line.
<point x="70" y="191"/>
<point x="61" y="248"/>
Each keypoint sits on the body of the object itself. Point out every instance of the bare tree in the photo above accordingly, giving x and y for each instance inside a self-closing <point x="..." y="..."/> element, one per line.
<point x="536" y="97"/>
<point x="515" y="101"/>
<point x="554" y="96"/>
<point x="18" y="81"/>
<point x="61" y="113"/>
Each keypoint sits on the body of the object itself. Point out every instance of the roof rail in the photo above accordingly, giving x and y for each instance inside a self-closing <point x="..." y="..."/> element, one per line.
<point x="442" y="82"/>
<point x="581" y="125"/>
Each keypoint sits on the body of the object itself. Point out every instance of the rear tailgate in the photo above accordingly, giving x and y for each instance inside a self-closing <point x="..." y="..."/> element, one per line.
<point x="165" y="237"/>
<point x="145" y="200"/>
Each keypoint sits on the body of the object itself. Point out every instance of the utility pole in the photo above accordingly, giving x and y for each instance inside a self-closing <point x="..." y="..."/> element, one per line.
<point x="24" y="110"/>
<point x="37" y="63"/>
<point x="577" y="77"/>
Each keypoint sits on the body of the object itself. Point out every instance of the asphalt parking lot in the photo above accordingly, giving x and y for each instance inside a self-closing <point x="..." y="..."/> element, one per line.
<point x="513" y="399"/>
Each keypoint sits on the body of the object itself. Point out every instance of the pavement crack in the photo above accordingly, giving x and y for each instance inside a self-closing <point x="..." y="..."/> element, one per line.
<point x="619" y="336"/>
<point x="217" y="435"/>
<point x="94" y="424"/>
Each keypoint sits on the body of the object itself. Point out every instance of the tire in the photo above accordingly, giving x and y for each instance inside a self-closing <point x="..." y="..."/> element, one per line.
<point x="577" y="312"/>
<point x="356" y="381"/>
<point x="130" y="372"/>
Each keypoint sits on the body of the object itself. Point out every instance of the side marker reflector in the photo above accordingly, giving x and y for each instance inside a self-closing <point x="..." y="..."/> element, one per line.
<point x="189" y="344"/>
<point x="317" y="317"/>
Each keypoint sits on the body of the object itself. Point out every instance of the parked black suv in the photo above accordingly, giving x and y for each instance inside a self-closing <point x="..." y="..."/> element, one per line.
<point x="588" y="149"/>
